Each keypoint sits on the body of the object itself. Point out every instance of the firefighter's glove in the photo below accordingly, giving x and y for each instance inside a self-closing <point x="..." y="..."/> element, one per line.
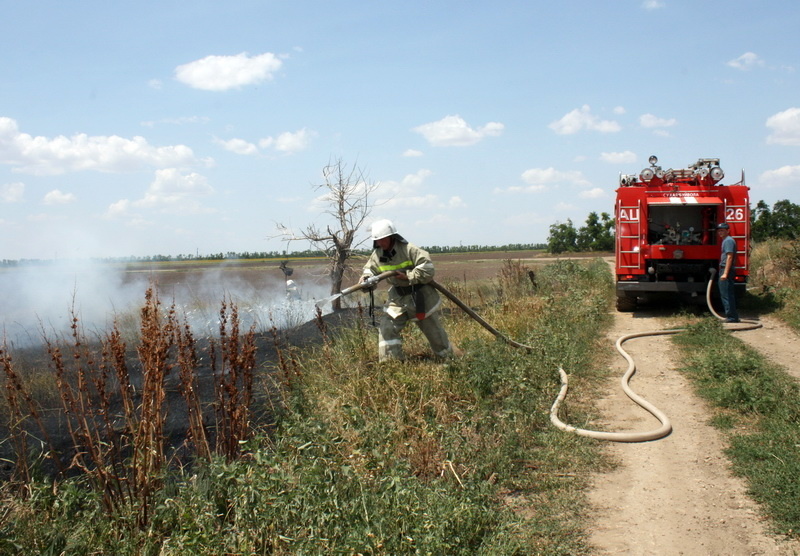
<point x="368" y="283"/>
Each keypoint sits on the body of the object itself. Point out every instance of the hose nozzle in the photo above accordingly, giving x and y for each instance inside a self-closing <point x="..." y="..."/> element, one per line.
<point x="369" y="282"/>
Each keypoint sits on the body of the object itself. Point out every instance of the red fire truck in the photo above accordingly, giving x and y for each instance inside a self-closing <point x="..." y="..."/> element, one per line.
<point x="666" y="240"/>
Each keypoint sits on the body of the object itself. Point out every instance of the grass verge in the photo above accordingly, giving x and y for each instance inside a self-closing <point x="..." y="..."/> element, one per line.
<point x="757" y="406"/>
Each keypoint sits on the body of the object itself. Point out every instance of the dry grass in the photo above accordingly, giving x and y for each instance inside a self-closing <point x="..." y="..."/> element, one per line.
<point x="776" y="278"/>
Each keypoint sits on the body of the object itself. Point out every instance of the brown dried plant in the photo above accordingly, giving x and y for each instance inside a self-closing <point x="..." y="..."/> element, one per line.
<point x="233" y="382"/>
<point x="188" y="364"/>
<point x="116" y="429"/>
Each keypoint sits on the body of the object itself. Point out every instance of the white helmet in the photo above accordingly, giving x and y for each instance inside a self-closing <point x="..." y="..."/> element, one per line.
<point x="382" y="228"/>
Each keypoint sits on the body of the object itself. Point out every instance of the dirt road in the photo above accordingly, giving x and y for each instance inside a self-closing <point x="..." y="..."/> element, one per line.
<point x="677" y="495"/>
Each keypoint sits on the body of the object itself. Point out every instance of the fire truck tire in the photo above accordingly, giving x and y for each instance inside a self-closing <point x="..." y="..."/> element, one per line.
<point x="626" y="304"/>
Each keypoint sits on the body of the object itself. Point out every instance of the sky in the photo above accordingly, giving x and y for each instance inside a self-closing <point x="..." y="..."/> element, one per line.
<point x="193" y="128"/>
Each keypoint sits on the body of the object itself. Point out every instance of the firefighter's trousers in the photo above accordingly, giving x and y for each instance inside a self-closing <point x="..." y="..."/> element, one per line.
<point x="390" y="341"/>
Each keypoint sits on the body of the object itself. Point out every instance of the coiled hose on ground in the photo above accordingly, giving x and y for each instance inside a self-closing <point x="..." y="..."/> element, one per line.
<point x="655" y="434"/>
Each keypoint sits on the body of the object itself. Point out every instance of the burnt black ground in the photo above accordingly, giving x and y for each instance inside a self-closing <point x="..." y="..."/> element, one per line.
<point x="266" y="397"/>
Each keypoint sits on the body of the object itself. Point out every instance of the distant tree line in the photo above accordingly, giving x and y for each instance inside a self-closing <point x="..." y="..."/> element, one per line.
<point x="596" y="235"/>
<point x="780" y="222"/>
<point x="438" y="249"/>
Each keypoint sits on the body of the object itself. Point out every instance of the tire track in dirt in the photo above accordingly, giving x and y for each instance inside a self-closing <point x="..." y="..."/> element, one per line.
<point x="676" y="495"/>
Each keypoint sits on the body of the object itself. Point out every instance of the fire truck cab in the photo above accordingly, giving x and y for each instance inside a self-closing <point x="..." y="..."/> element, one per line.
<point x="666" y="239"/>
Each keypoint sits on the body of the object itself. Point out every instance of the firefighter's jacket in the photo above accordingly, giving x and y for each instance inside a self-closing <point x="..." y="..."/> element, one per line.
<point x="412" y="297"/>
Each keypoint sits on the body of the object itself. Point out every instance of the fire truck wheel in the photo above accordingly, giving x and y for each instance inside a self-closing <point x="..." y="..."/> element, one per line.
<point x="626" y="304"/>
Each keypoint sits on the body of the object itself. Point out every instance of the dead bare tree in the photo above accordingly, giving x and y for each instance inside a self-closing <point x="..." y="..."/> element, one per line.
<point x="346" y="196"/>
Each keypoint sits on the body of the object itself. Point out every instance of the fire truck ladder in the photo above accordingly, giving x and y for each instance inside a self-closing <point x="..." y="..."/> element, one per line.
<point x="740" y="214"/>
<point x="633" y="228"/>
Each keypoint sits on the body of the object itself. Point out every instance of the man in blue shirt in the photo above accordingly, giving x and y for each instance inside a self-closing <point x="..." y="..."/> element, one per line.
<point x="727" y="273"/>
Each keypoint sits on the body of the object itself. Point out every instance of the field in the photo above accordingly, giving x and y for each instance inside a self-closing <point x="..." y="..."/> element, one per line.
<point x="312" y="272"/>
<point x="392" y="453"/>
<point x="455" y="456"/>
<point x="197" y="288"/>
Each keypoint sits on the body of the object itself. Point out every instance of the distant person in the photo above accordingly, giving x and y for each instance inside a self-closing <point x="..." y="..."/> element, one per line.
<point x="727" y="273"/>
<point x="292" y="292"/>
<point x="411" y="297"/>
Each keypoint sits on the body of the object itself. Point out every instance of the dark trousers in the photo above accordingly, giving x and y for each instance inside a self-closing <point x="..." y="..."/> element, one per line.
<point x="727" y="292"/>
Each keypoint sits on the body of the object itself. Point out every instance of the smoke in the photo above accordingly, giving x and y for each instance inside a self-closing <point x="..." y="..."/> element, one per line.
<point x="40" y="299"/>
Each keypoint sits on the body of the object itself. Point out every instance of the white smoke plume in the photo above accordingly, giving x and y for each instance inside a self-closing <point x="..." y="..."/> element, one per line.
<point x="40" y="298"/>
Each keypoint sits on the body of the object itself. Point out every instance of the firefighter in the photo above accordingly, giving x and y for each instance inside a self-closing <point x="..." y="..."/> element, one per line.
<point x="411" y="298"/>
<point x="727" y="273"/>
<point x="292" y="292"/>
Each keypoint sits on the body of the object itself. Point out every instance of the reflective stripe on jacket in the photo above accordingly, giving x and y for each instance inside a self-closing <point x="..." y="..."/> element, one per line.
<point x="417" y="265"/>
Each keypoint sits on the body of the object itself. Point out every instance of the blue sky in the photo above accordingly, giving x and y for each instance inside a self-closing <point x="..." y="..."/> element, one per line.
<point x="143" y="128"/>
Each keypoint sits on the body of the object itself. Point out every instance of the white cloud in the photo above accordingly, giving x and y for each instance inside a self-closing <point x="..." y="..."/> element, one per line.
<point x="183" y="120"/>
<point x="625" y="157"/>
<point x="412" y="153"/>
<point x="12" y="192"/>
<point x="411" y="201"/>
<point x="580" y="119"/>
<point x="653" y="4"/>
<point x="519" y="189"/>
<point x="785" y="176"/>
<point x="746" y="61"/>
<point x="392" y="194"/>
<point x="650" y="121"/>
<point x="56" y="197"/>
<point x="238" y="146"/>
<point x="619" y="110"/>
<point x="453" y="131"/>
<point x="549" y="176"/>
<point x="785" y="127"/>
<point x="175" y="192"/>
<point x="413" y="181"/>
<point x="409" y="184"/>
<point x="456" y="202"/>
<point x="220" y="73"/>
<point x="46" y="156"/>
<point x="541" y="179"/>
<point x="292" y="142"/>
<point x="118" y="209"/>
<point x="287" y="142"/>
<point x="155" y="84"/>
<point x="594" y="193"/>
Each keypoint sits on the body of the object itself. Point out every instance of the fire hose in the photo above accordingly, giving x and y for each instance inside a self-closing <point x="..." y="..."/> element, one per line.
<point x="666" y="427"/>
<point x="370" y="282"/>
<point x="655" y="434"/>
